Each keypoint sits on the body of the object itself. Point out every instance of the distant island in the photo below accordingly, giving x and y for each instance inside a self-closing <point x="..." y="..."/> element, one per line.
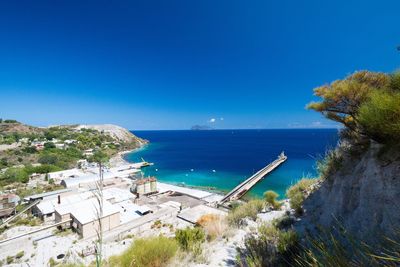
<point x="201" y="127"/>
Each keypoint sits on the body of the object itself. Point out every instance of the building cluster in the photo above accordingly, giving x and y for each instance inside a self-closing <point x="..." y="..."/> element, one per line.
<point x="77" y="206"/>
<point x="113" y="198"/>
<point x="81" y="211"/>
<point x="8" y="203"/>
<point x="39" y="144"/>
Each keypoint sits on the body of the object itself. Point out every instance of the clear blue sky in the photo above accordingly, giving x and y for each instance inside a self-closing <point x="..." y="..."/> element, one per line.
<point x="173" y="64"/>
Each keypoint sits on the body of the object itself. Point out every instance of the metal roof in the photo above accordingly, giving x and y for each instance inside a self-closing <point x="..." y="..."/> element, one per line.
<point x="47" y="194"/>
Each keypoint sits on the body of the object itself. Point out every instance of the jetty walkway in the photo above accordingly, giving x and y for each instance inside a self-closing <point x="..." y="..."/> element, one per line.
<point x="246" y="185"/>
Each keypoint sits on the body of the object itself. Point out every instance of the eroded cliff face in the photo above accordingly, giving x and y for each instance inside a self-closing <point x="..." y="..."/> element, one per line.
<point x="363" y="196"/>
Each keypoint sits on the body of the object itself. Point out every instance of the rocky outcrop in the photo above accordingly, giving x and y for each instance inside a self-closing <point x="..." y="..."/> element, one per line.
<point x="117" y="132"/>
<point x="363" y="196"/>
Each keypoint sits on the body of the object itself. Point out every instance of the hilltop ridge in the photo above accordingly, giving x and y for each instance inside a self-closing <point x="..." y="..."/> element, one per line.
<point x="114" y="131"/>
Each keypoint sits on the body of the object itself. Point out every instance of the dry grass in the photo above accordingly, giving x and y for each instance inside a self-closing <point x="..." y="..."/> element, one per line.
<point x="146" y="252"/>
<point x="214" y="225"/>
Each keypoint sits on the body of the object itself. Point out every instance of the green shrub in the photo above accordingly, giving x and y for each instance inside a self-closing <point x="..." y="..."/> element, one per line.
<point x="9" y="259"/>
<point x="297" y="193"/>
<point x="189" y="239"/>
<point x="49" y="145"/>
<point x="12" y="175"/>
<point x="156" y="224"/>
<point x="147" y="252"/>
<point x="30" y="220"/>
<point x="270" y="197"/>
<point x="52" y="262"/>
<point x="30" y="150"/>
<point x="249" y="209"/>
<point x="380" y="116"/>
<point x="20" y="254"/>
<point x="62" y="158"/>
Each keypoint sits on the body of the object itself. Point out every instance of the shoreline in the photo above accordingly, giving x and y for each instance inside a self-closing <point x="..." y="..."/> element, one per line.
<point x="119" y="159"/>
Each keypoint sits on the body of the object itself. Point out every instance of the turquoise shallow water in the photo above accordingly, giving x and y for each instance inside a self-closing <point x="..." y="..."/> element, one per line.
<point x="221" y="159"/>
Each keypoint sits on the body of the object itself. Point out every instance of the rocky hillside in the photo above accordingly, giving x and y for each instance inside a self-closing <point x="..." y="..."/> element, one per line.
<point x="117" y="132"/>
<point x="8" y="128"/>
<point x="62" y="145"/>
<point x="362" y="196"/>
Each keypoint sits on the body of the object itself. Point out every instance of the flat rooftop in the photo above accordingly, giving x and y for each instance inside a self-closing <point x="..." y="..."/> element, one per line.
<point x="193" y="214"/>
<point x="162" y="187"/>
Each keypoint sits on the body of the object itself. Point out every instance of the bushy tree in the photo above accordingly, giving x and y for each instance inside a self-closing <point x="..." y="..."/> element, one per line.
<point x="365" y="102"/>
<point x="342" y="99"/>
<point x="99" y="157"/>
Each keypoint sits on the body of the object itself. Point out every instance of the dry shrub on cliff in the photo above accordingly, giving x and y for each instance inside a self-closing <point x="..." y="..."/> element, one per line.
<point x="214" y="225"/>
<point x="247" y="210"/>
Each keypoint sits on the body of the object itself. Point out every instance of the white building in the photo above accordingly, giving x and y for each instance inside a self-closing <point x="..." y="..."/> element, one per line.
<point x="60" y="175"/>
<point x="85" y="217"/>
<point x="46" y="208"/>
<point x="93" y="178"/>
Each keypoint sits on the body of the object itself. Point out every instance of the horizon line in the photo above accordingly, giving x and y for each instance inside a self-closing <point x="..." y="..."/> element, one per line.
<point x="242" y="129"/>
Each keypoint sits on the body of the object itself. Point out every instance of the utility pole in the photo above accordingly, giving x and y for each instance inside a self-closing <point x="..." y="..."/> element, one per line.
<point x="100" y="199"/>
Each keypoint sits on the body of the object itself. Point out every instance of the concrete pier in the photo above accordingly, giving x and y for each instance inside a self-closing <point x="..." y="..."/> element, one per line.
<point x="246" y="185"/>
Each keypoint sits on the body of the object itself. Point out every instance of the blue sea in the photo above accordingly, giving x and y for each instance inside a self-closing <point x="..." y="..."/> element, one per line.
<point x="221" y="159"/>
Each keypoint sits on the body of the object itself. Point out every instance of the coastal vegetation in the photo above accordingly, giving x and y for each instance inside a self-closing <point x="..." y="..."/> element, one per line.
<point x="190" y="239"/>
<point x="146" y="252"/>
<point x="271" y="198"/>
<point x="298" y="192"/>
<point x="249" y="209"/>
<point x="269" y="246"/>
<point x="342" y="250"/>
